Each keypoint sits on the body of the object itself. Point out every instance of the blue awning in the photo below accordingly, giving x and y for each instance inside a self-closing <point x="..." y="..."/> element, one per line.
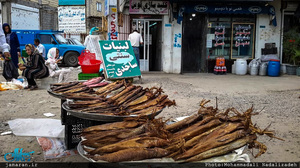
<point x="227" y="9"/>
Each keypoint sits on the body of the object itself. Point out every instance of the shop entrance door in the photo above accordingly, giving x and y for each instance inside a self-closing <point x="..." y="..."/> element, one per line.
<point x="193" y="41"/>
<point x="150" y="51"/>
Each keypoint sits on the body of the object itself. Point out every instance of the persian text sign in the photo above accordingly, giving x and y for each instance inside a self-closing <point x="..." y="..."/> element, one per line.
<point x="113" y="24"/>
<point x="71" y="19"/>
<point x="119" y="59"/>
<point x="148" y="7"/>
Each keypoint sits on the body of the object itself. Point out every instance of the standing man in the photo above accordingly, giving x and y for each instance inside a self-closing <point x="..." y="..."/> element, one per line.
<point x="40" y="47"/>
<point x="136" y="39"/>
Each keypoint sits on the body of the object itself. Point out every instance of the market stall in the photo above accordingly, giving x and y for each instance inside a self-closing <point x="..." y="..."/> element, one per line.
<point x="97" y="101"/>
<point x="204" y="135"/>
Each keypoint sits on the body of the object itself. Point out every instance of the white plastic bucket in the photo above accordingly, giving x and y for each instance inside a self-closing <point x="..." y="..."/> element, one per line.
<point x="241" y="67"/>
<point x="233" y="68"/>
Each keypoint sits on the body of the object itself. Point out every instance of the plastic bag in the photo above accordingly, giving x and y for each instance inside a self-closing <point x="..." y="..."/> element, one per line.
<point x="255" y="62"/>
<point x="54" y="148"/>
<point x="9" y="70"/>
<point x="85" y="57"/>
<point x="22" y="81"/>
<point x="92" y="43"/>
<point x="267" y="58"/>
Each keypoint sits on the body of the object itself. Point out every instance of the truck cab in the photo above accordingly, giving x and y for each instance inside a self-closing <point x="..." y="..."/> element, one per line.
<point x="51" y="39"/>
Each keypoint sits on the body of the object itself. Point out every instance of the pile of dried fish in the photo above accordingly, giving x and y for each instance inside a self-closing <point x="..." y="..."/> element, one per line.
<point x="120" y="98"/>
<point x="78" y="87"/>
<point x="207" y="134"/>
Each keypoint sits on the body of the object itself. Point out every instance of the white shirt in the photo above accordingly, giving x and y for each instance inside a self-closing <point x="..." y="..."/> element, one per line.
<point x="42" y="50"/>
<point x="135" y="39"/>
<point x="4" y="47"/>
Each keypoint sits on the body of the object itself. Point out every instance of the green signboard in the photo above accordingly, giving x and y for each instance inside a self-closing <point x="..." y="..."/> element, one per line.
<point x="119" y="59"/>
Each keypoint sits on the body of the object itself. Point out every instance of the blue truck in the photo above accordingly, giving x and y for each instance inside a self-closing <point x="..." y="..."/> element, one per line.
<point x="49" y="39"/>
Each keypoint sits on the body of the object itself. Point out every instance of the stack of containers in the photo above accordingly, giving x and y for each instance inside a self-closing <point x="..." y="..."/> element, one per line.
<point x="220" y="68"/>
<point x="89" y="65"/>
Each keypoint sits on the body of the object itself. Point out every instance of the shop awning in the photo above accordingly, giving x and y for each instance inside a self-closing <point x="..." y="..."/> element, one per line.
<point x="226" y="9"/>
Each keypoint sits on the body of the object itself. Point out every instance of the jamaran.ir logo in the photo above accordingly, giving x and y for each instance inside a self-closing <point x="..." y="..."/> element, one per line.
<point x="18" y="155"/>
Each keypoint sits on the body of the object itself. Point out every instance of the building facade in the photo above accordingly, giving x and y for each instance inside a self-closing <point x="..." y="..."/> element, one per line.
<point x="21" y="14"/>
<point x="95" y="13"/>
<point x="230" y="29"/>
<point x="192" y="34"/>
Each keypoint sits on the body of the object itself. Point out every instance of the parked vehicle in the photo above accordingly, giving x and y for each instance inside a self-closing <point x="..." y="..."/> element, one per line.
<point x="49" y="39"/>
<point x="73" y="41"/>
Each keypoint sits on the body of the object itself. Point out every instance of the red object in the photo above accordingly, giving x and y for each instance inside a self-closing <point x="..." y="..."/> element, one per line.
<point x="88" y="62"/>
<point x="85" y="56"/>
<point x="220" y="61"/>
<point x="92" y="68"/>
<point x="292" y="41"/>
<point x="276" y="60"/>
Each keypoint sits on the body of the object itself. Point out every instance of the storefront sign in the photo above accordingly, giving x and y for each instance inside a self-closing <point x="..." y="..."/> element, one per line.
<point x="209" y="39"/>
<point x="106" y="7"/>
<point x="119" y="59"/>
<point x="243" y="40"/>
<point x="242" y="35"/>
<point x="113" y="3"/>
<point x="262" y="26"/>
<point x="148" y="7"/>
<point x="227" y="9"/>
<point x="113" y="24"/>
<point x="69" y="3"/>
<point x="219" y="36"/>
<point x="71" y="19"/>
<point x="201" y="8"/>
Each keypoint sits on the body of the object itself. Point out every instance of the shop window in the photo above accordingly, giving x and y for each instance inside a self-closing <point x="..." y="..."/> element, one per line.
<point x="221" y="37"/>
<point x="242" y="40"/>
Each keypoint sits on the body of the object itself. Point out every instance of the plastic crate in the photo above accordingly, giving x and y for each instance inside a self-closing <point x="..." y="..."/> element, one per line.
<point x="82" y="76"/>
<point x="73" y="129"/>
